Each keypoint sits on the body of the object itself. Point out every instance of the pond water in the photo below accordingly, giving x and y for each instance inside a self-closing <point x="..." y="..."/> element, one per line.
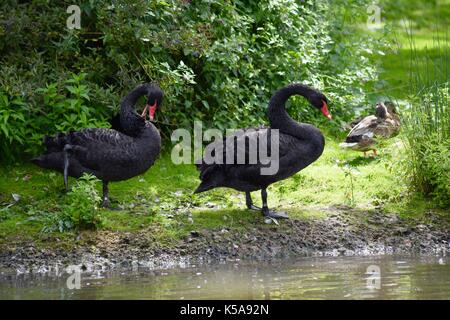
<point x="382" y="277"/>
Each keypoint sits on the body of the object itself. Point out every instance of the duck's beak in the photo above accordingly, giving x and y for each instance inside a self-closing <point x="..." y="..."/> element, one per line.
<point x="325" y="111"/>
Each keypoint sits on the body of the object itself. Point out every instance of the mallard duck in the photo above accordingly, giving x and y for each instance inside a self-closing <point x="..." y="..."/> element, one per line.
<point x="384" y="124"/>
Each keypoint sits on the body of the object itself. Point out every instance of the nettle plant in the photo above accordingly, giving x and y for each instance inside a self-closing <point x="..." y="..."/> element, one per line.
<point x="71" y="109"/>
<point x="80" y="209"/>
<point x="13" y="115"/>
<point x="55" y="108"/>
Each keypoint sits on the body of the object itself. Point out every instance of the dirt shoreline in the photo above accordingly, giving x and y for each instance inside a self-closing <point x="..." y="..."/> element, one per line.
<point x="344" y="232"/>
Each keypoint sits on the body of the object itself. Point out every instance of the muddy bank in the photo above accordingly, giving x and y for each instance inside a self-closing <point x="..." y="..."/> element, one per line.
<point x="344" y="232"/>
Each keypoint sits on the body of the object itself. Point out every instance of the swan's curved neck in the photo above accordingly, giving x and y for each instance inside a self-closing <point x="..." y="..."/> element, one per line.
<point x="278" y="116"/>
<point x="130" y="121"/>
<point x="127" y="104"/>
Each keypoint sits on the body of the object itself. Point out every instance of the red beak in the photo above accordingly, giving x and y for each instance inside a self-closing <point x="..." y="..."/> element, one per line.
<point x="325" y="111"/>
<point x="151" y="111"/>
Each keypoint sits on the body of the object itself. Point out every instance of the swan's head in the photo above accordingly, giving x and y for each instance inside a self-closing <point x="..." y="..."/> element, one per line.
<point x="154" y="100"/>
<point x="319" y="101"/>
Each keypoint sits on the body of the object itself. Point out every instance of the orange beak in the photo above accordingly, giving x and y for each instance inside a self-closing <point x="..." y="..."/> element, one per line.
<point x="325" y="111"/>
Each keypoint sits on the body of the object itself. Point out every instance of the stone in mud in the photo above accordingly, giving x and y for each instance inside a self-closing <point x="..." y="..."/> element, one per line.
<point x="195" y="234"/>
<point x="402" y="230"/>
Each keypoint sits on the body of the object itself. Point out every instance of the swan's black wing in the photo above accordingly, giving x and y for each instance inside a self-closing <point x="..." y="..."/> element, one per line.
<point x="247" y="145"/>
<point x="103" y="136"/>
<point x="95" y="147"/>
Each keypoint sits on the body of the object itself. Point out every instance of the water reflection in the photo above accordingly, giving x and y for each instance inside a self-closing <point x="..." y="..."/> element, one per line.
<point x="305" y="278"/>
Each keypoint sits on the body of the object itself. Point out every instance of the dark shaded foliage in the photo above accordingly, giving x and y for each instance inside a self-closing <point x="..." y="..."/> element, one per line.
<point x="218" y="61"/>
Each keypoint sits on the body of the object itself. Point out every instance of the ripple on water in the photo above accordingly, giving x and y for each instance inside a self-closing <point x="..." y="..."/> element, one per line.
<point x="303" y="278"/>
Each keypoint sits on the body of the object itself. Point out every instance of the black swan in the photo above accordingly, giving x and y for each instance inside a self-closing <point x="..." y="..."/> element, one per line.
<point x="300" y="144"/>
<point x="110" y="154"/>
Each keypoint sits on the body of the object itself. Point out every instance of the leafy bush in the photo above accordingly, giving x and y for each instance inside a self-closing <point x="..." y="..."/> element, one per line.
<point x="80" y="210"/>
<point x="218" y="61"/>
<point x="60" y="109"/>
<point x="13" y="113"/>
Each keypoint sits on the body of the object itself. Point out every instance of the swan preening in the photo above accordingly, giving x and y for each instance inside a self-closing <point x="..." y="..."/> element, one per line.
<point x="299" y="144"/>
<point x="127" y="150"/>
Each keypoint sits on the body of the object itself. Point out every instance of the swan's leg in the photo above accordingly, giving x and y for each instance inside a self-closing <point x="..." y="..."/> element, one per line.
<point x="105" y="195"/>
<point x="375" y="152"/>
<point x="269" y="213"/>
<point x="66" y="166"/>
<point x="249" y="202"/>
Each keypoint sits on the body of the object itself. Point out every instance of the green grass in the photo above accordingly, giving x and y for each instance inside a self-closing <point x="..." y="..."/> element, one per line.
<point x="161" y="200"/>
<point x="422" y="25"/>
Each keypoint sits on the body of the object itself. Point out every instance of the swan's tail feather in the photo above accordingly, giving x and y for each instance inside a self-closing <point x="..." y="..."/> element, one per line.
<point x="56" y="143"/>
<point x="205" y="186"/>
<point x="39" y="161"/>
<point x="52" y="160"/>
<point x="211" y="176"/>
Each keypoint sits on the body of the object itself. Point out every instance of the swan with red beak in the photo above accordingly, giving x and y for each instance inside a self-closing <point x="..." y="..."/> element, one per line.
<point x="151" y="110"/>
<point x="325" y="111"/>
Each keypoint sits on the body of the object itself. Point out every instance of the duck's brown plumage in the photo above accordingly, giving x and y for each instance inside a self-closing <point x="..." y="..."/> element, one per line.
<point x="384" y="124"/>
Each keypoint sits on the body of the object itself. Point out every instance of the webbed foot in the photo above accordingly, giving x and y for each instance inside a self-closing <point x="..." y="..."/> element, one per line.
<point x="105" y="203"/>
<point x="253" y="207"/>
<point x="273" y="214"/>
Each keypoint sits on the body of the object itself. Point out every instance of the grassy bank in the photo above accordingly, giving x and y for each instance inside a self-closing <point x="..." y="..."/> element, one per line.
<point x="161" y="201"/>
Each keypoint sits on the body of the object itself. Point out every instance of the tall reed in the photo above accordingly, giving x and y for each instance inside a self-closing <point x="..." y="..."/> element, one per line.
<point x="426" y="123"/>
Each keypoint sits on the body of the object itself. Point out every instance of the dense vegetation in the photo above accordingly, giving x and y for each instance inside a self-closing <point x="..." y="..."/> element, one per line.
<point x="219" y="61"/>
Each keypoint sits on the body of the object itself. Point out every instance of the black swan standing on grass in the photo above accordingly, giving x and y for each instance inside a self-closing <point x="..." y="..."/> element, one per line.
<point x="125" y="151"/>
<point x="300" y="144"/>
